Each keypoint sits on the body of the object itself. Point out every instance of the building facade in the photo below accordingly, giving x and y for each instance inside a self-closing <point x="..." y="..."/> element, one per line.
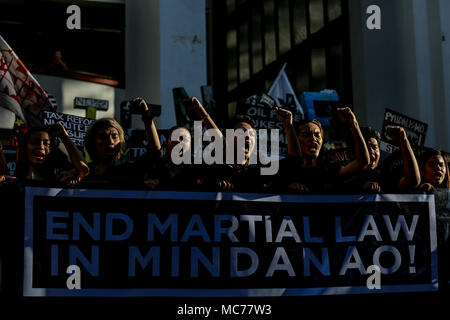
<point x="148" y="47"/>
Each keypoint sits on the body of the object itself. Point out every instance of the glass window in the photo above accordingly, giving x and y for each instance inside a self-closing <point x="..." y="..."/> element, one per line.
<point x="266" y="31"/>
<point x="231" y="6"/>
<point x="39" y="26"/>
<point x="318" y="69"/>
<point x="232" y="109"/>
<point x="336" y="68"/>
<point x="244" y="59"/>
<point x="257" y="48"/>
<point x="300" y="70"/>
<point x="269" y="82"/>
<point x="283" y="26"/>
<point x="316" y="15"/>
<point x="232" y="59"/>
<point x="334" y="9"/>
<point x="241" y="2"/>
<point x="269" y="34"/>
<point x="300" y="32"/>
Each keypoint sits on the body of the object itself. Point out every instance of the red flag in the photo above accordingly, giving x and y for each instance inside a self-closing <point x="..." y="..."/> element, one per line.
<point x="19" y="90"/>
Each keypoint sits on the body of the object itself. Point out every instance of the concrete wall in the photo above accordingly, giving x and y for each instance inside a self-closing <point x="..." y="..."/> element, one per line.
<point x="165" y="48"/>
<point x="65" y="90"/>
<point x="404" y="66"/>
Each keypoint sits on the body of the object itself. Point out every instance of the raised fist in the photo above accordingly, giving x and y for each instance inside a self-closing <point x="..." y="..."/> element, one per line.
<point x="346" y="115"/>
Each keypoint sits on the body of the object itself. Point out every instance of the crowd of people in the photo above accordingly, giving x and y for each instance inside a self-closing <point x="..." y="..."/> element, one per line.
<point x="302" y="171"/>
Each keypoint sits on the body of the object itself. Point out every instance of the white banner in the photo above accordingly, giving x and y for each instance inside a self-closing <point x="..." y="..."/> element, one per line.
<point x="284" y="94"/>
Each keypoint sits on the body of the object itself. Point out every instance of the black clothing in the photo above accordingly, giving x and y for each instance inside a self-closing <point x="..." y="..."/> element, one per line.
<point x="387" y="174"/>
<point x="124" y="173"/>
<point x="175" y="177"/>
<point x="246" y="178"/>
<point x="56" y="162"/>
<point x="319" y="179"/>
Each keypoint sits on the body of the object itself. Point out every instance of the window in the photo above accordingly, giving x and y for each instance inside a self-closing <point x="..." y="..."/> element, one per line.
<point x="261" y="35"/>
<point x="269" y="31"/>
<point x="284" y="32"/>
<point x="244" y="62"/>
<point x="257" y="45"/>
<point x="232" y="59"/>
<point x="36" y="30"/>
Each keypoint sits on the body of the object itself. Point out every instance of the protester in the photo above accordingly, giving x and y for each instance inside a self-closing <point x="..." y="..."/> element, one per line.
<point x="241" y="175"/>
<point x="434" y="170"/>
<point x="285" y="117"/>
<point x="309" y="174"/>
<point x="376" y="177"/>
<point x="40" y="159"/>
<point x="238" y="175"/>
<point x="165" y="174"/>
<point x="105" y="143"/>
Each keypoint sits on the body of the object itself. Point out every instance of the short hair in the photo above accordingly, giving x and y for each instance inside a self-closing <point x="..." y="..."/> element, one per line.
<point x="369" y="132"/>
<point x="313" y="121"/>
<point x="238" y="119"/>
<point x="94" y="128"/>
<point x="424" y="156"/>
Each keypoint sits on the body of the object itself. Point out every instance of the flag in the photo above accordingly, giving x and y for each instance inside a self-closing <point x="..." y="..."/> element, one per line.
<point x="182" y="116"/>
<point x="283" y="93"/>
<point x="19" y="90"/>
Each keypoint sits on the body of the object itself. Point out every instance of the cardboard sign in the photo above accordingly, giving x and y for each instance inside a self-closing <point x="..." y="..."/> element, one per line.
<point x="261" y="110"/>
<point x="75" y="126"/>
<point x="415" y="130"/>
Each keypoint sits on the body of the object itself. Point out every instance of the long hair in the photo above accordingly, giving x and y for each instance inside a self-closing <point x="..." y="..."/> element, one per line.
<point x="47" y="168"/>
<point x="94" y="129"/>
<point x="423" y="158"/>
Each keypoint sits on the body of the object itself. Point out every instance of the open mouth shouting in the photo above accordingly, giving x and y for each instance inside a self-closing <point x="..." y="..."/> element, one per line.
<point x="438" y="176"/>
<point x="111" y="151"/>
<point x="313" y="147"/>
<point x="246" y="146"/>
<point x="38" y="156"/>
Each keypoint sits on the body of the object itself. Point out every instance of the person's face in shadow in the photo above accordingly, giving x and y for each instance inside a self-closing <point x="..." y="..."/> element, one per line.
<point x="38" y="148"/>
<point x="249" y="142"/>
<point x="310" y="138"/>
<point x="374" y="152"/>
<point x="107" y="143"/>
<point x="434" y="170"/>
